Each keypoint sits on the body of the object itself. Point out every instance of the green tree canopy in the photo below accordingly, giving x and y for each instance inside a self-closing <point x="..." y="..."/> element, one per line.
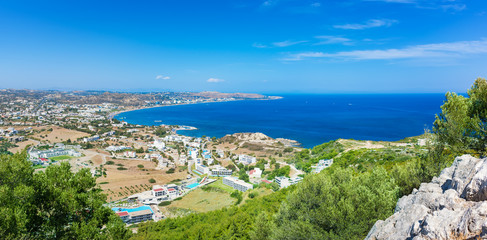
<point x="462" y="124"/>
<point x="55" y="204"/>
<point x="336" y="205"/>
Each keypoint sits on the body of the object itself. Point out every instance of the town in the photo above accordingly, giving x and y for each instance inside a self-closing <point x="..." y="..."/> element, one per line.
<point x="147" y="172"/>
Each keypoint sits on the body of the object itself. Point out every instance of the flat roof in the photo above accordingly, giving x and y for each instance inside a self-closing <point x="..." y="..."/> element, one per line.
<point x="140" y="213"/>
<point x="121" y="214"/>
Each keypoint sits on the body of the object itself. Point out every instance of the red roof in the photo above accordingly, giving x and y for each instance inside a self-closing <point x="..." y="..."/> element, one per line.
<point x="252" y="171"/>
<point x="171" y="189"/>
<point x="158" y="190"/>
<point x="266" y="181"/>
<point x="44" y="159"/>
<point x="122" y="214"/>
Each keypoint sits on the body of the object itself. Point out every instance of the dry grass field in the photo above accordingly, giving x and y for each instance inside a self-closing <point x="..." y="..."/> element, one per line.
<point x="59" y="134"/>
<point x="199" y="201"/>
<point x="22" y="146"/>
<point x="137" y="179"/>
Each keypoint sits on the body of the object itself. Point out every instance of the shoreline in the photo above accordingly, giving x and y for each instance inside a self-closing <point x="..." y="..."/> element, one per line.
<point x="114" y="114"/>
<point x="291" y="142"/>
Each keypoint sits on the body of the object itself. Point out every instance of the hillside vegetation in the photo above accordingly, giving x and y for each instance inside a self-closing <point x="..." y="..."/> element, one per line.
<point x="342" y="202"/>
<point x="345" y="200"/>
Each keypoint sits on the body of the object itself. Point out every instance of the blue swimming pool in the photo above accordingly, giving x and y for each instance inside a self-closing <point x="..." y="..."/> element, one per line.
<point x="192" y="185"/>
<point x="119" y="209"/>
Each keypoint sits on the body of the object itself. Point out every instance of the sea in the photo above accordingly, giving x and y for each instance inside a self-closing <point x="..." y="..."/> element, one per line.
<point x="309" y="119"/>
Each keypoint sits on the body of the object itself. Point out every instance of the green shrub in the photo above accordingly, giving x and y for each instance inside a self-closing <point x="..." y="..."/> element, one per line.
<point x="165" y="203"/>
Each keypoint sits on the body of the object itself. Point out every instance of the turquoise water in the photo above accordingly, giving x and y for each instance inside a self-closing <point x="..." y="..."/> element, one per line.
<point x="118" y="209"/>
<point x="309" y="119"/>
<point x="192" y="185"/>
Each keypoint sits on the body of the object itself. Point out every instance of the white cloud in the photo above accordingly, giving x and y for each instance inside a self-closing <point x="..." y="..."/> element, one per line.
<point x="287" y="43"/>
<point x="454" y="7"/>
<point x="259" y="45"/>
<point x="269" y="3"/>
<point x="316" y="4"/>
<point x="162" y="77"/>
<point x="333" y="40"/>
<point x="393" y="1"/>
<point x="437" y="50"/>
<point x="215" y="80"/>
<point x="372" y="23"/>
<point x="446" y="5"/>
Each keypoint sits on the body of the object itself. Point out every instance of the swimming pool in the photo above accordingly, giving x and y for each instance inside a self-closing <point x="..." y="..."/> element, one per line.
<point x="192" y="185"/>
<point x="119" y="209"/>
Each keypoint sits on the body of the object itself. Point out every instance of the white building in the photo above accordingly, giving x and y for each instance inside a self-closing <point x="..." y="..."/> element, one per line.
<point x="255" y="173"/>
<point x="130" y="154"/>
<point x="220" y="171"/>
<point x="116" y="148"/>
<point x="193" y="153"/>
<point x="282" y="181"/>
<point x="286" y="182"/>
<point x="322" y="164"/>
<point x="159" y="144"/>
<point x="237" y="184"/>
<point x="91" y="139"/>
<point x="135" y="216"/>
<point x="220" y="153"/>
<point x="183" y="159"/>
<point x="202" y="169"/>
<point x="246" y="159"/>
<point x="53" y="153"/>
<point x="173" y="138"/>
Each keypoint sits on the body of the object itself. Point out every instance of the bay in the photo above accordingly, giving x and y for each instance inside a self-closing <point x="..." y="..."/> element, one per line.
<point x="309" y="119"/>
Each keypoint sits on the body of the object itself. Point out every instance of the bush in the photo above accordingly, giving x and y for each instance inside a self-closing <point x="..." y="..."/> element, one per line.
<point x="152" y="180"/>
<point x="165" y="203"/>
<point x="110" y="162"/>
<point x="337" y="205"/>
<point x="288" y="149"/>
<point x="171" y="170"/>
<point x="140" y="166"/>
<point x="238" y="195"/>
<point x="121" y="168"/>
<point x="253" y="194"/>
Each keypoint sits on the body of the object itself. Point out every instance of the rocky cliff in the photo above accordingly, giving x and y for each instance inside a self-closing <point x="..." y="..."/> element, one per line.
<point x="451" y="206"/>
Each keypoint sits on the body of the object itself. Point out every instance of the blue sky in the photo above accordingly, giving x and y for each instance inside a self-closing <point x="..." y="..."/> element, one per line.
<point x="272" y="46"/>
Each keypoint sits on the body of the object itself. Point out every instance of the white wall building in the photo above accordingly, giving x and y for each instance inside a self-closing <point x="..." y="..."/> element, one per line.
<point x="255" y="173"/>
<point x="159" y="144"/>
<point x="220" y="171"/>
<point x="246" y="159"/>
<point x="322" y="164"/>
<point x="286" y="182"/>
<point x="237" y="184"/>
<point x="202" y="169"/>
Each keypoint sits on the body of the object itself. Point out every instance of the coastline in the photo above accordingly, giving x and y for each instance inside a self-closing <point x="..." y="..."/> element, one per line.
<point x="327" y="117"/>
<point x="114" y="114"/>
<point x="290" y="142"/>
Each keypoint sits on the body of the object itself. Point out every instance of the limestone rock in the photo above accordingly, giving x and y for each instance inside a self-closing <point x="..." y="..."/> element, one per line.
<point x="451" y="206"/>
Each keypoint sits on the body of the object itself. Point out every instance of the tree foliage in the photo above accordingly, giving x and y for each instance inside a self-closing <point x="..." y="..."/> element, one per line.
<point x="55" y="204"/>
<point x="462" y="124"/>
<point x="337" y="205"/>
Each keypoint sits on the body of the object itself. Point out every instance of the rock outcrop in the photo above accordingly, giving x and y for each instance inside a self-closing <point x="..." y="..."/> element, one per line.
<point x="451" y="206"/>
